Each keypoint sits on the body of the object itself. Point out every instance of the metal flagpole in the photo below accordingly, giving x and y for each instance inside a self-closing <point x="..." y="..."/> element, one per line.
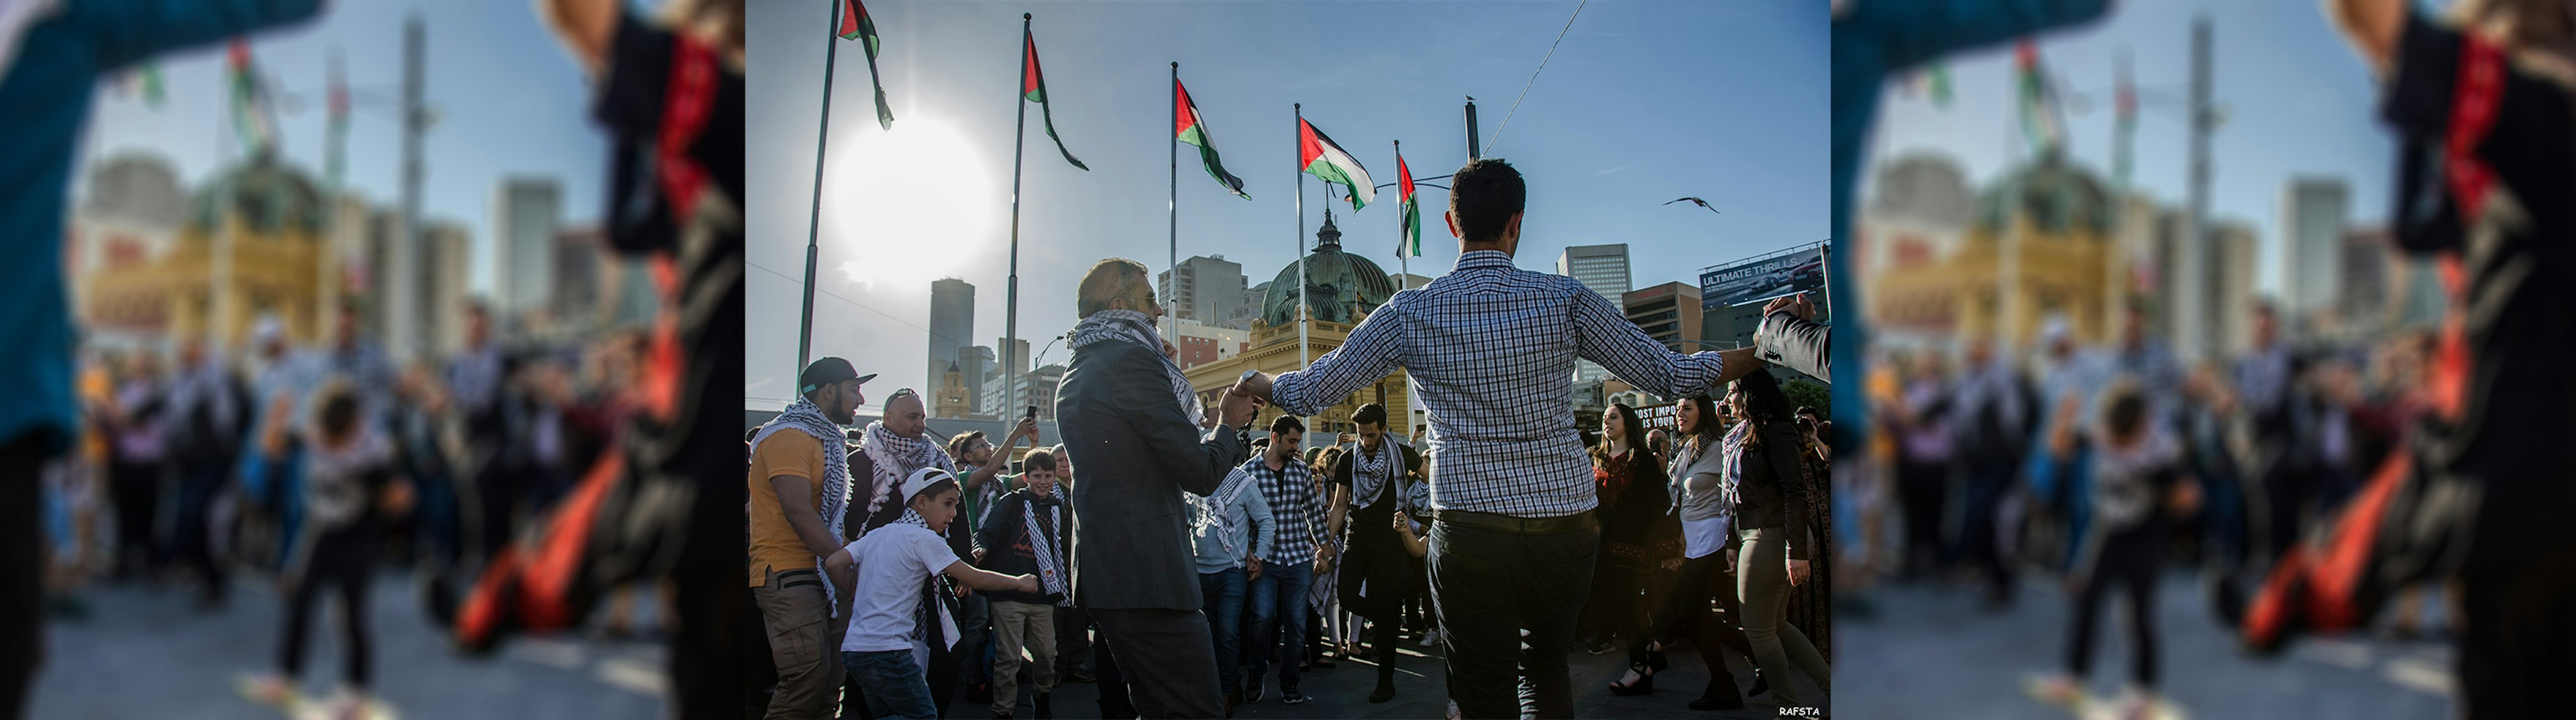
<point x="814" y="220"/>
<point x="1302" y="319"/>
<point x="1011" y="312"/>
<point x="1174" y="205"/>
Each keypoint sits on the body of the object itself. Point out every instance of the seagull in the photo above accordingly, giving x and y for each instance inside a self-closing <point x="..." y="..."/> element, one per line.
<point x="1695" y="201"/>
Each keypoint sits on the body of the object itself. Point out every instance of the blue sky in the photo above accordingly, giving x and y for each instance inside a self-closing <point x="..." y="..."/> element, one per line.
<point x="510" y="102"/>
<point x="1643" y="102"/>
<point x="2298" y="103"/>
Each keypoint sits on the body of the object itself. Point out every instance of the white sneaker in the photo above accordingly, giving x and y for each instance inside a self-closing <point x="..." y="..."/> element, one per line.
<point x="1431" y="638"/>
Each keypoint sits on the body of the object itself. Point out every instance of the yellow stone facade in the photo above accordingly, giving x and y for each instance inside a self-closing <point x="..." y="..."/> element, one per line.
<point x="1274" y="351"/>
<point x="276" y="272"/>
<point x="1959" y="295"/>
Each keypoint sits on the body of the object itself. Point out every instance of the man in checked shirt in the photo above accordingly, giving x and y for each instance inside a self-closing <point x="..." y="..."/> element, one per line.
<point x="1514" y="536"/>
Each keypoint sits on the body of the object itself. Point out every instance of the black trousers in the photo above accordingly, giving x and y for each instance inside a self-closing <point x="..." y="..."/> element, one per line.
<point x="135" y="488"/>
<point x="22" y="587"/>
<point x="1979" y="543"/>
<point x="1490" y="586"/>
<point x="1923" y="490"/>
<point x="1685" y="610"/>
<point x="336" y="561"/>
<point x="1169" y="661"/>
<point x="193" y="535"/>
<point x="1376" y="564"/>
<point x="2128" y="558"/>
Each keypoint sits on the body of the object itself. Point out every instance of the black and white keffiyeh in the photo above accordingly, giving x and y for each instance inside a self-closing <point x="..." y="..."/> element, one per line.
<point x="1049" y="576"/>
<point x="1217" y="509"/>
<point x="806" y="417"/>
<point x="893" y="457"/>
<point x="1371" y="473"/>
<point x="1132" y="326"/>
<point x="1732" y="477"/>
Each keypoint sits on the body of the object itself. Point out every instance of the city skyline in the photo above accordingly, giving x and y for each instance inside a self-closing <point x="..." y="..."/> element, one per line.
<point x="1631" y="86"/>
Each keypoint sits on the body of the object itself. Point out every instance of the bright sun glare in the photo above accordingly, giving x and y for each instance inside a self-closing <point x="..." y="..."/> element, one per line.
<point x="909" y="205"/>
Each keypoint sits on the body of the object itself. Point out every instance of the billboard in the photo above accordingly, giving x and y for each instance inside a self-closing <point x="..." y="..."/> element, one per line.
<point x="1763" y="278"/>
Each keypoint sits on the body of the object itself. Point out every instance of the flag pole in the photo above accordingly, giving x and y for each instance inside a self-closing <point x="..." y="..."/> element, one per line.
<point x="1011" y="312"/>
<point x="1174" y="205"/>
<point x="1302" y="319"/>
<point x="814" y="219"/>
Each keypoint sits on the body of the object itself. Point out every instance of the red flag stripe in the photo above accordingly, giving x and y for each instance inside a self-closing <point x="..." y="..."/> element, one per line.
<point x="851" y="11"/>
<point x="1403" y="178"/>
<point x="1030" y="80"/>
<point x="1184" y="112"/>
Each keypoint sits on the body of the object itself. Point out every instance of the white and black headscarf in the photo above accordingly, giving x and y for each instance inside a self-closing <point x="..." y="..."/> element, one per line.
<point x="894" y="457"/>
<point x="1132" y="326"/>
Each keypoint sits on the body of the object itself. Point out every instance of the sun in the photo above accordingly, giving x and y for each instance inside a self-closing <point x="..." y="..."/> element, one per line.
<point x="909" y="205"/>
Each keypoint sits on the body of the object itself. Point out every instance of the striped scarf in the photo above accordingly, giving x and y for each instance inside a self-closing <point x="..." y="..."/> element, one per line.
<point x="1134" y="327"/>
<point x="1044" y="543"/>
<point x="806" y="417"/>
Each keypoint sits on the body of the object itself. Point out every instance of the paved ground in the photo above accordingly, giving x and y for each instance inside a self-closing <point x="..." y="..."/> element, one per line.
<point x="147" y="653"/>
<point x="1342" y="691"/>
<point x="1935" y="653"/>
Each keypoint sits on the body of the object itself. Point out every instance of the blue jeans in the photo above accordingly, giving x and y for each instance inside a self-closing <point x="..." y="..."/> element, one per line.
<point x="893" y="683"/>
<point x="1279" y="619"/>
<point x="1221" y="595"/>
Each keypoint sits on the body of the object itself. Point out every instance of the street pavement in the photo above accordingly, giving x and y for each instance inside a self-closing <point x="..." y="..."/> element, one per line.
<point x="1937" y="653"/>
<point x="149" y="653"/>
<point x="1342" y="691"/>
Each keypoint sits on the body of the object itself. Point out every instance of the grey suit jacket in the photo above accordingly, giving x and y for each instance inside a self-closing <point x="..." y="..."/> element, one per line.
<point x="1797" y="344"/>
<point x="1138" y="454"/>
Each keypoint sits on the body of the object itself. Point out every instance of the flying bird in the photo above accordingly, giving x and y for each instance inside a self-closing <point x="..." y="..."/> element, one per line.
<point x="1695" y="201"/>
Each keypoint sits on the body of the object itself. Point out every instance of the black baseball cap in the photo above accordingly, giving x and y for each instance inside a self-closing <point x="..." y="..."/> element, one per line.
<point x="827" y="371"/>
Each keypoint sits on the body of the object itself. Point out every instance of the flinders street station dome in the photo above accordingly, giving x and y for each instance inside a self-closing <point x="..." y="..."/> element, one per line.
<point x="1340" y="287"/>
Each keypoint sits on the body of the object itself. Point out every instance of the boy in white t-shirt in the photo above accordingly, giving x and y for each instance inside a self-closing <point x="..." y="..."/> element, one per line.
<point x="882" y="578"/>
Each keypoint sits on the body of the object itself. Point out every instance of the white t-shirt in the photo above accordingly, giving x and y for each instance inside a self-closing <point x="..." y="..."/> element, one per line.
<point x="892" y="563"/>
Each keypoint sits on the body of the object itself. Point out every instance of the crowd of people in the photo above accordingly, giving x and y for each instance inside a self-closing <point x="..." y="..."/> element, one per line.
<point x="2103" y="465"/>
<point x="311" y="464"/>
<point x="1208" y="559"/>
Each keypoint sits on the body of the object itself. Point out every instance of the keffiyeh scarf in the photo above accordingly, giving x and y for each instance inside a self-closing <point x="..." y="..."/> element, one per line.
<point x="1732" y="476"/>
<point x="1132" y="326"/>
<point x="1049" y="577"/>
<point x="807" y="417"/>
<point x="1217" y="509"/>
<point x="892" y="458"/>
<point x="1371" y="473"/>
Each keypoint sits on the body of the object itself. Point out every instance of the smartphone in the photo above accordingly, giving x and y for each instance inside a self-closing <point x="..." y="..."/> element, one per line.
<point x="1033" y="412"/>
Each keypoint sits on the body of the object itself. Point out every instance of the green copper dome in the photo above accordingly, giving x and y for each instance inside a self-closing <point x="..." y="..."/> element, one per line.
<point x="1339" y="286"/>
<point x="269" y="197"/>
<point x="2058" y="197"/>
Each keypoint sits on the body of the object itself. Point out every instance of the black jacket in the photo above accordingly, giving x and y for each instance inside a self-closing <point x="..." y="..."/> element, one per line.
<point x="1773" y="495"/>
<point x="1138" y="453"/>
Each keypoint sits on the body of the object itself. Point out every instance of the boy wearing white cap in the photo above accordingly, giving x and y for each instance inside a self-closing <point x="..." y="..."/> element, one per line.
<point x="885" y="579"/>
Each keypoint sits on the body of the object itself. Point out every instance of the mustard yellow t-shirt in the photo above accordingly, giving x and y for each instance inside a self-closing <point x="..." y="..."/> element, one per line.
<point x="774" y="544"/>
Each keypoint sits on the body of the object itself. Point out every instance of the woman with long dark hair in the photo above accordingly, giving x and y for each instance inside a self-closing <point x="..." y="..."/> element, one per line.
<point x="1765" y="474"/>
<point x="1700" y="501"/>
<point x="1639" y="536"/>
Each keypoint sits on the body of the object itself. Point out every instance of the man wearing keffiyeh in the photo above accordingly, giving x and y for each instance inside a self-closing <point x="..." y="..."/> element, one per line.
<point x="1132" y="421"/>
<point x="800" y="489"/>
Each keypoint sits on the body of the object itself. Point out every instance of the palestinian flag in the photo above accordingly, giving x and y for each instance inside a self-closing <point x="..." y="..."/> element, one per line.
<point x="1411" y="241"/>
<point x="1033" y="89"/>
<point x="855" y="25"/>
<point x="2038" y="108"/>
<point x="1188" y="127"/>
<point x="1325" y="160"/>
<point x="250" y="104"/>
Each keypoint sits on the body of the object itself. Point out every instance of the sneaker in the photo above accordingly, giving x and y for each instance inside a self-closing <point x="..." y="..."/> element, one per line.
<point x="1252" y="694"/>
<point x="268" y="689"/>
<point x="2056" y="689"/>
<point x="1432" y="639"/>
<point x="1292" y="697"/>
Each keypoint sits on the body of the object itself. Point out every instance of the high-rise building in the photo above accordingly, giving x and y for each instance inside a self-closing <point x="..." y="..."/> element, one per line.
<point x="1669" y="313"/>
<point x="952" y="324"/>
<point x="2362" y="275"/>
<point x="2314" y="213"/>
<point x="974" y="363"/>
<point x="1604" y="268"/>
<point x="1036" y="387"/>
<point x="1208" y="289"/>
<point x="526" y="215"/>
<point x="581" y="256"/>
